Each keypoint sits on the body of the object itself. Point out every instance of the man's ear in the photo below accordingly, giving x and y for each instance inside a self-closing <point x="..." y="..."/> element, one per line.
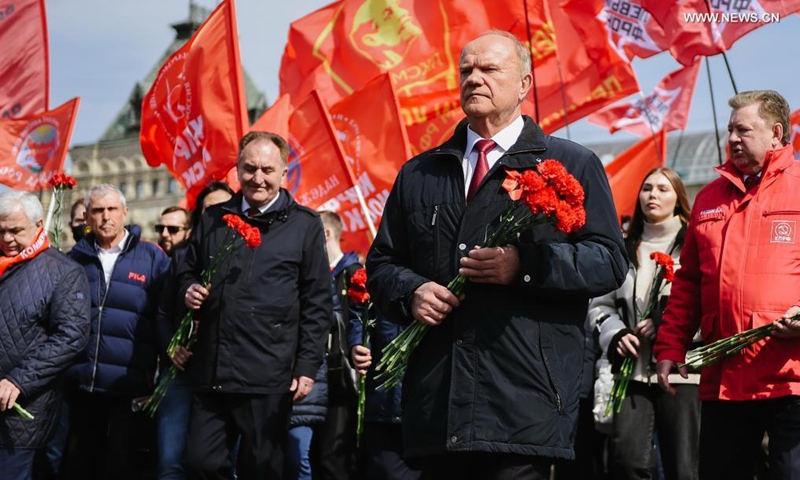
<point x="777" y="134"/>
<point x="40" y="223"/>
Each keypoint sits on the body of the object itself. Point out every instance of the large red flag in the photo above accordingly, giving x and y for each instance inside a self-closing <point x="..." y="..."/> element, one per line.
<point x="695" y="30"/>
<point x="276" y="118"/>
<point x="588" y="72"/>
<point x="794" y="127"/>
<point x="630" y="29"/>
<point x="626" y="172"/>
<point x="194" y="114"/>
<point x="33" y="148"/>
<point x="317" y="169"/>
<point x="666" y="107"/>
<point x="24" y="67"/>
<point x="374" y="140"/>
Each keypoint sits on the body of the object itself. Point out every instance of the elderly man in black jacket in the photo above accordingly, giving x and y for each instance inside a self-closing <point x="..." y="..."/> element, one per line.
<point x="44" y="324"/>
<point x="262" y="322"/>
<point x="493" y="388"/>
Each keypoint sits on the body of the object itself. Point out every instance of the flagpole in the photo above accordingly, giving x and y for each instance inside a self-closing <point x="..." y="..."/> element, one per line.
<point x="714" y="110"/>
<point x="560" y="75"/>
<point x="677" y="149"/>
<point x="652" y="129"/>
<point x="533" y="63"/>
<point x="50" y="209"/>
<point x="727" y="65"/>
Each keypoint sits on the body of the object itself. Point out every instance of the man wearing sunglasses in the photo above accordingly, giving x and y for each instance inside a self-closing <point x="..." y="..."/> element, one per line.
<point x="173" y="229"/>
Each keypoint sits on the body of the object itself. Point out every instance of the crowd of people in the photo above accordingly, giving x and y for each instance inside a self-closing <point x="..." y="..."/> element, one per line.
<point x="501" y="385"/>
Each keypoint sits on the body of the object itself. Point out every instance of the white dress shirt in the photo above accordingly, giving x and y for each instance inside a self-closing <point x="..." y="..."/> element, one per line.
<point x="108" y="258"/>
<point x="262" y="208"/>
<point x="504" y="139"/>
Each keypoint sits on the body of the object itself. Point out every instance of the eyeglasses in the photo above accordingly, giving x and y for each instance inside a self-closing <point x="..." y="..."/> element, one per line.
<point x="172" y="229"/>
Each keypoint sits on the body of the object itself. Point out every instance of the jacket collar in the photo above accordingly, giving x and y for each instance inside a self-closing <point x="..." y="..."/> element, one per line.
<point x="279" y="211"/>
<point x="531" y="140"/>
<point x="348" y="259"/>
<point x="86" y="245"/>
<point x="776" y="162"/>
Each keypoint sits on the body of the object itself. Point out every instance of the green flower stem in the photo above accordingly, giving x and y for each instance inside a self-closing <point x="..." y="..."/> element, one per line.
<point x="366" y="326"/>
<point x="720" y="349"/>
<point x="22" y="412"/>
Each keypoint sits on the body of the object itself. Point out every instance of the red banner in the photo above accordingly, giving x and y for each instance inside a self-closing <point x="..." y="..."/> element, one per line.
<point x="375" y="146"/>
<point x="693" y="29"/>
<point x="794" y="128"/>
<point x="194" y="114"/>
<point x="24" y="66"/>
<point x="33" y="149"/>
<point x="666" y="107"/>
<point x="629" y="28"/>
<point x="626" y="172"/>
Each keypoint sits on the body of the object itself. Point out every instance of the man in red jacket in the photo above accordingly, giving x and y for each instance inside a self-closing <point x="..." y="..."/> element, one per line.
<point x="740" y="269"/>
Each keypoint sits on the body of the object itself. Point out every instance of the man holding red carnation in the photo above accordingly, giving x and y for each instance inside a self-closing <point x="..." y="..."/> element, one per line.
<point x="740" y="270"/>
<point x="263" y="320"/>
<point x="492" y="389"/>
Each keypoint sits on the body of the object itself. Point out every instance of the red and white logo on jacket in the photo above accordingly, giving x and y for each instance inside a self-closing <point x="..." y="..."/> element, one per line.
<point x="783" y="231"/>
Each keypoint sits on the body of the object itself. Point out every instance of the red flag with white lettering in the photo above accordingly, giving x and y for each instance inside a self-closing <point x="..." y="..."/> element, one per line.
<point x="666" y="107"/>
<point x="695" y="30"/>
<point x="317" y="169"/>
<point x="626" y="172"/>
<point x="194" y="114"/>
<point x="630" y="29"/>
<point x="33" y="148"/>
<point x="794" y="128"/>
<point x="375" y="146"/>
<point x="24" y="64"/>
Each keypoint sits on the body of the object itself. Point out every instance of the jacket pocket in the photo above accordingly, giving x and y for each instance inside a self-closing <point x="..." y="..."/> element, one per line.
<point x="778" y="246"/>
<point x="562" y="355"/>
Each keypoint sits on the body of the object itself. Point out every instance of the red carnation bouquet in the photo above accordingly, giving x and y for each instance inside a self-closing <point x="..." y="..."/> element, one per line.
<point x="357" y="293"/>
<point x="548" y="194"/>
<point x="60" y="183"/>
<point x="184" y="335"/>
<point x="664" y="274"/>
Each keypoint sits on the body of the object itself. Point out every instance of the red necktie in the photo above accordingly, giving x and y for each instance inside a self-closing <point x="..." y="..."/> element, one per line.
<point x="751" y="182"/>
<point x="481" y="167"/>
<point x="252" y="212"/>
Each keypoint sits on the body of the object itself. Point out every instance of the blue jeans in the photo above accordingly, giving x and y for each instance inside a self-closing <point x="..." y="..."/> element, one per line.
<point x="298" y="466"/>
<point x="173" y="423"/>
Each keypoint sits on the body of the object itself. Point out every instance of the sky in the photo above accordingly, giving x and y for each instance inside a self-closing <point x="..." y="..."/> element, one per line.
<point x="99" y="49"/>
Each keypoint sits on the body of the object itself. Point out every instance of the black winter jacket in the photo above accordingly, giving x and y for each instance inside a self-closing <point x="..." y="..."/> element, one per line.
<point x="503" y="372"/>
<point x="44" y="320"/>
<point x="268" y="313"/>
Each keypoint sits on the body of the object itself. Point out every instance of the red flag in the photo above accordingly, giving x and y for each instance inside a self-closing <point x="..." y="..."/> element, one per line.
<point x="24" y="65"/>
<point x="794" y="127"/>
<point x="588" y="72"/>
<point x="666" y="107"/>
<point x="626" y="172"/>
<point x="375" y="146"/>
<point x="630" y="29"/>
<point x="276" y="118"/>
<point x="695" y="30"/>
<point x="317" y="168"/>
<point x="33" y="149"/>
<point x="194" y="114"/>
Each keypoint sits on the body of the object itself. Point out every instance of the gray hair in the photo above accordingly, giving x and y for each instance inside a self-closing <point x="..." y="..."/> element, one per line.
<point x="523" y="53"/>
<point x="15" y="200"/>
<point x="102" y="190"/>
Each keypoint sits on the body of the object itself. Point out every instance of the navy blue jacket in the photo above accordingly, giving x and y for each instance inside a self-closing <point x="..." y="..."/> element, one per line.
<point x="121" y="356"/>
<point x="44" y="325"/>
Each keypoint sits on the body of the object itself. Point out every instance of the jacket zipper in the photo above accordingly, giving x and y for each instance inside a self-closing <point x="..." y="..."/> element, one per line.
<point x="782" y="212"/>
<point x="435" y="240"/>
<point x="100" y="322"/>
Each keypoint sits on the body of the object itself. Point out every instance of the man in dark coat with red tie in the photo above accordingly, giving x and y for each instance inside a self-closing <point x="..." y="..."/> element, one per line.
<point x="494" y="386"/>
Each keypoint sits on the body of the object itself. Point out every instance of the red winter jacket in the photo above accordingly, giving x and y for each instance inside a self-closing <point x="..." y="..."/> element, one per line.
<point x="740" y="269"/>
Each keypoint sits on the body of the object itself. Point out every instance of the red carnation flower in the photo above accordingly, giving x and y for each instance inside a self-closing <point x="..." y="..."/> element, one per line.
<point x="357" y="293"/>
<point x="62" y="180"/>
<point x="666" y="262"/>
